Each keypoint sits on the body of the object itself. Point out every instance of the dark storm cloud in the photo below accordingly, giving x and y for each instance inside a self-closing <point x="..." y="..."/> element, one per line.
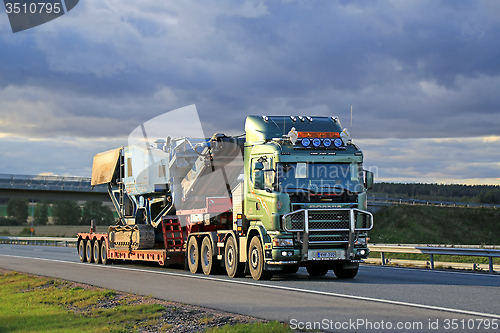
<point x="373" y="55"/>
<point x="410" y="69"/>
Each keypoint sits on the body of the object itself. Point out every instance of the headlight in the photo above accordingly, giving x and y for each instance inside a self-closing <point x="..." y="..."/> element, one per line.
<point x="277" y="242"/>
<point x="327" y="142"/>
<point x="316" y="142"/>
<point x="306" y="142"/>
<point x="360" y="241"/>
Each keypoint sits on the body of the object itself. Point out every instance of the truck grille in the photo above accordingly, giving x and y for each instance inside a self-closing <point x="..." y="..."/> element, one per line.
<point x="325" y="226"/>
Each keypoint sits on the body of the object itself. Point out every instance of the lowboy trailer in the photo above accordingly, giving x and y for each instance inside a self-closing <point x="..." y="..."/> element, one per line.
<point x="291" y="193"/>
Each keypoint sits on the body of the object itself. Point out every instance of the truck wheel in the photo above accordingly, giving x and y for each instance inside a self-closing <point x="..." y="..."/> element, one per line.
<point x="208" y="263"/>
<point x="104" y="253"/>
<point x="256" y="260"/>
<point x="345" y="273"/>
<point x="88" y="250"/>
<point x="231" y="259"/>
<point x="81" y="250"/>
<point x="317" y="270"/>
<point x="97" y="251"/>
<point x="193" y="254"/>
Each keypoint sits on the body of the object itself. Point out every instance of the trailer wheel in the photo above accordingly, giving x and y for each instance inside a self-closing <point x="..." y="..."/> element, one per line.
<point x="88" y="250"/>
<point x="345" y="273"/>
<point x="317" y="270"/>
<point x="104" y="253"/>
<point x="231" y="259"/>
<point x="256" y="260"/>
<point x="208" y="263"/>
<point x="97" y="251"/>
<point x="81" y="250"/>
<point x="193" y="255"/>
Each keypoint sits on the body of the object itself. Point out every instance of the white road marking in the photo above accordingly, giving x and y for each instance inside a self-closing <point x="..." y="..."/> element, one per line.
<point x="434" y="271"/>
<point x="254" y="284"/>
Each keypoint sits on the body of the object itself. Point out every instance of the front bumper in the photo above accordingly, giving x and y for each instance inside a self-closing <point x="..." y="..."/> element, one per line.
<point x="328" y="234"/>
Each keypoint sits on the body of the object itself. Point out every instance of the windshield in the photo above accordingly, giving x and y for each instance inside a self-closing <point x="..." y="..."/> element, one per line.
<point x="320" y="178"/>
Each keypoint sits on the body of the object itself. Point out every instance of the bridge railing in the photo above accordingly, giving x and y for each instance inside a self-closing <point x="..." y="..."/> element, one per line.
<point x="462" y="250"/>
<point x="48" y="183"/>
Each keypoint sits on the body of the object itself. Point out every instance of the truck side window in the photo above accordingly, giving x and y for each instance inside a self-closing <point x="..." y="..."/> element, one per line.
<point x="262" y="173"/>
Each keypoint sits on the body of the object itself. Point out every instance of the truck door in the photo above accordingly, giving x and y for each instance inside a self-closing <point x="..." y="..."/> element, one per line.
<point x="262" y="177"/>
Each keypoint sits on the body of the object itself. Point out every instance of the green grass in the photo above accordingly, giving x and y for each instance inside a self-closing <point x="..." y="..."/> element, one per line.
<point x="35" y="304"/>
<point x="406" y="224"/>
<point x="3" y="210"/>
<point x="275" y="327"/>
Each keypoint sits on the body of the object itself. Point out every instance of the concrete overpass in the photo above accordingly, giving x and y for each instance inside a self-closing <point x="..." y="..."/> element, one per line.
<point x="51" y="188"/>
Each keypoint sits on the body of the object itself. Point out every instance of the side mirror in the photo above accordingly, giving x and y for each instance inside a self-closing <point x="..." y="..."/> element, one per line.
<point x="368" y="180"/>
<point x="259" y="179"/>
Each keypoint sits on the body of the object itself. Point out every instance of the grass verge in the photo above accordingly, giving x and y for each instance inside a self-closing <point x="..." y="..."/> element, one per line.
<point x="406" y="224"/>
<point x="275" y="327"/>
<point x="41" y="304"/>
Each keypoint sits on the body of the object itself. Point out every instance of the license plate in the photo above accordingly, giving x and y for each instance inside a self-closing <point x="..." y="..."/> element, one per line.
<point x="321" y="255"/>
<point x="327" y="254"/>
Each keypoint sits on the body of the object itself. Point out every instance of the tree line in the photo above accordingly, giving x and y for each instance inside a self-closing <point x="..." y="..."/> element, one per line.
<point x="64" y="212"/>
<point x="486" y="194"/>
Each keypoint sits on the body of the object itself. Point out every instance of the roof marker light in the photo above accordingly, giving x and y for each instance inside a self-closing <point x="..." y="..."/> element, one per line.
<point x="306" y="142"/>
<point x="337" y="142"/>
<point x="266" y="118"/>
<point x="309" y="118"/>
<point x="335" y="119"/>
<point x="316" y="142"/>
<point x="301" y="118"/>
<point x="294" y="119"/>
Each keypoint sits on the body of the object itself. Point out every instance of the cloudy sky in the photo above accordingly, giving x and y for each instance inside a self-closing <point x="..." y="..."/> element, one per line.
<point x="423" y="78"/>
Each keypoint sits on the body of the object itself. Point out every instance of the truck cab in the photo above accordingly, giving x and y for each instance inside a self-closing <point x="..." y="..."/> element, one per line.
<point x="304" y="197"/>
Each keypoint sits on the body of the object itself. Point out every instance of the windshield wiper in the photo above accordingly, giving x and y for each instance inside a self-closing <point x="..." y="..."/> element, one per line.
<point x="302" y="189"/>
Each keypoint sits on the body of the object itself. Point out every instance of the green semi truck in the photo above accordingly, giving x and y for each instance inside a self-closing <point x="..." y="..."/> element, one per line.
<point x="289" y="193"/>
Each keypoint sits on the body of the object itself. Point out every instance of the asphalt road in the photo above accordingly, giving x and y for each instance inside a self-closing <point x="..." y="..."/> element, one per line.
<point x="378" y="299"/>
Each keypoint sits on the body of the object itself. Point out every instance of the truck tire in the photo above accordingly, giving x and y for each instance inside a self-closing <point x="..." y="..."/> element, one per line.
<point x="193" y="255"/>
<point x="88" y="250"/>
<point x="317" y="270"/>
<point x="81" y="250"/>
<point x="208" y="263"/>
<point x="345" y="273"/>
<point x="231" y="259"/>
<point x="97" y="251"/>
<point x="256" y="260"/>
<point x="104" y="253"/>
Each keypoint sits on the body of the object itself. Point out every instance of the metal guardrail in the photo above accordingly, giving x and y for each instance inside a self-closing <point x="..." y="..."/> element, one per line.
<point x="37" y="240"/>
<point x="461" y="250"/>
<point x="464" y="250"/>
